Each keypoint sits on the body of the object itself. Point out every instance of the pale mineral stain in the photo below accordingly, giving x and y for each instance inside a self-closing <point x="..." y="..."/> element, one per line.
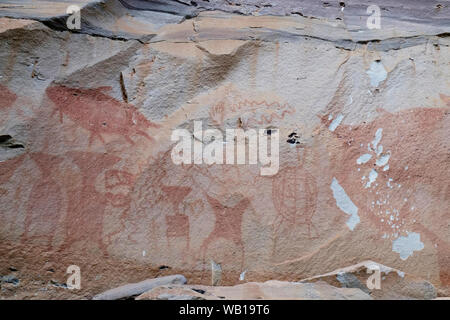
<point x="242" y="276"/>
<point x="336" y="122"/>
<point x="377" y="73"/>
<point x="364" y="158"/>
<point x="383" y="160"/>
<point x="344" y="203"/>
<point x="406" y="246"/>
<point x="372" y="177"/>
<point x="377" y="139"/>
<point x="379" y="150"/>
<point x="388" y="183"/>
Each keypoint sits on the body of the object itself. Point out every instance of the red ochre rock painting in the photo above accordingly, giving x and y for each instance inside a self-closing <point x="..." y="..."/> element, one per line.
<point x="118" y="184"/>
<point x="294" y="195"/>
<point x="294" y="189"/>
<point x="45" y="204"/>
<point x="166" y="199"/>
<point x="411" y="160"/>
<point x="177" y="223"/>
<point x="227" y="224"/>
<point x="100" y="114"/>
<point x="78" y="210"/>
<point x="251" y="113"/>
<point x="86" y="205"/>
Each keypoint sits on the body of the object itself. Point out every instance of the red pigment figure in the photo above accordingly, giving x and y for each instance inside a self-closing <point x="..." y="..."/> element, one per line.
<point x="86" y="207"/>
<point x="97" y="112"/>
<point x="177" y="224"/>
<point x="228" y="224"/>
<point x="116" y="179"/>
<point x="45" y="204"/>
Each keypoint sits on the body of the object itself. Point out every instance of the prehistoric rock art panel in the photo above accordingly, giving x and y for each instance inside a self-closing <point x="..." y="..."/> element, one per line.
<point x="86" y="173"/>
<point x="157" y="214"/>
<point x="171" y="215"/>
<point x="227" y="224"/>
<point x="250" y="113"/>
<point x="86" y="206"/>
<point x="78" y="207"/>
<point x="97" y="112"/>
<point x="225" y="198"/>
<point x="294" y="195"/>
<point x="293" y="190"/>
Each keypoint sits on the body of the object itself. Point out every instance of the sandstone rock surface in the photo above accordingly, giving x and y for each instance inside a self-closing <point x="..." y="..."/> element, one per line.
<point x="86" y="118"/>
<point x="393" y="284"/>
<point x="134" y="289"/>
<point x="270" y="290"/>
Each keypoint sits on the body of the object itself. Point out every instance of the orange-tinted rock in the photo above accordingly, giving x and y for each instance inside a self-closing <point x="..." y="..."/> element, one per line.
<point x="87" y="177"/>
<point x="379" y="281"/>
<point x="270" y="290"/>
<point x="7" y="97"/>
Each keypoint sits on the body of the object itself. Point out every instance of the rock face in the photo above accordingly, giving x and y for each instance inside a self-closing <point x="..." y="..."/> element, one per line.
<point x="391" y="283"/>
<point x="270" y="290"/>
<point x="87" y="176"/>
<point x="134" y="289"/>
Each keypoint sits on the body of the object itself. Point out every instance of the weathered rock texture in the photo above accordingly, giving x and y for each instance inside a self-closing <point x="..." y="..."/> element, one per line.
<point x="86" y="116"/>
<point x="271" y="290"/>
<point x="134" y="289"/>
<point x="393" y="284"/>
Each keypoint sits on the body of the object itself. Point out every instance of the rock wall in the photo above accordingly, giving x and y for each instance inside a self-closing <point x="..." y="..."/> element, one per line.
<point x="86" y="173"/>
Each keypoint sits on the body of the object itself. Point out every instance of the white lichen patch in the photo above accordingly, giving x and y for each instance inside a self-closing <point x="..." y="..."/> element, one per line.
<point x="344" y="203"/>
<point x="377" y="73"/>
<point x="406" y="246"/>
<point x="372" y="177"/>
<point x="364" y="158"/>
<point x="383" y="160"/>
<point x="336" y="122"/>
<point x="377" y="139"/>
